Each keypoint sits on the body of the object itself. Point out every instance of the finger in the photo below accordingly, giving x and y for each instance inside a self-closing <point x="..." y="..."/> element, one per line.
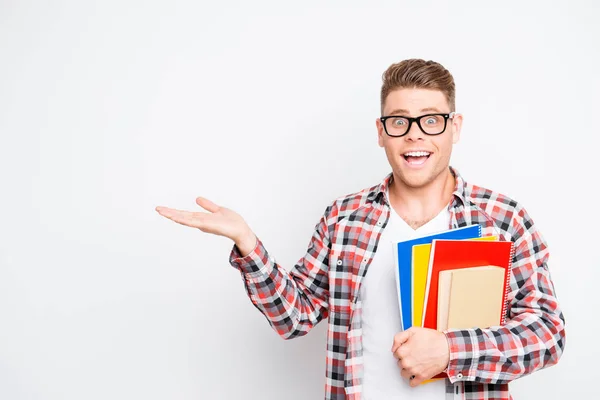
<point x="410" y="376"/>
<point x="400" y="339"/>
<point x="415" y="380"/>
<point x="164" y="211"/>
<point x="182" y="217"/>
<point x="207" y="204"/>
<point x="401" y="353"/>
<point x="406" y="374"/>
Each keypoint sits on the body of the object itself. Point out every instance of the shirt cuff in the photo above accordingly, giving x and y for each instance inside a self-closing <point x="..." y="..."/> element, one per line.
<point x="255" y="261"/>
<point x="463" y="355"/>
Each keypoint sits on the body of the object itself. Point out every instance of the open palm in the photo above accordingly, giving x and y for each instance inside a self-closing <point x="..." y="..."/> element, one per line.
<point x="217" y="221"/>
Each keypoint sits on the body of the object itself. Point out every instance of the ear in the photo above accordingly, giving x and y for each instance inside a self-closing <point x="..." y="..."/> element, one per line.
<point x="380" y="132"/>
<point x="457" y="121"/>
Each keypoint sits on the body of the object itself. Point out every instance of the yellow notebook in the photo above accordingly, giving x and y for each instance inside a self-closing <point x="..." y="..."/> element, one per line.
<point x="420" y="270"/>
<point x="470" y="297"/>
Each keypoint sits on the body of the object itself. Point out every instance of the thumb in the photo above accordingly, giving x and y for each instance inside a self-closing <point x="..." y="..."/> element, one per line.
<point x="401" y="338"/>
<point x="207" y="204"/>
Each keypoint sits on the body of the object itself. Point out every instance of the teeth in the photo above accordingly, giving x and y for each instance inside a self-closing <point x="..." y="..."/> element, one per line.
<point x="417" y="154"/>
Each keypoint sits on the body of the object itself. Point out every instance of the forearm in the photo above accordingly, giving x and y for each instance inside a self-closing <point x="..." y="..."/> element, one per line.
<point x="533" y="339"/>
<point x="282" y="297"/>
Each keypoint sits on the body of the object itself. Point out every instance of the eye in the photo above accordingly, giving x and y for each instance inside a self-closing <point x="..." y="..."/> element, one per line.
<point x="431" y="121"/>
<point x="398" y="122"/>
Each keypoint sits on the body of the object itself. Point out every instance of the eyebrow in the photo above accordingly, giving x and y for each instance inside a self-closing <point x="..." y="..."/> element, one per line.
<point x="404" y="112"/>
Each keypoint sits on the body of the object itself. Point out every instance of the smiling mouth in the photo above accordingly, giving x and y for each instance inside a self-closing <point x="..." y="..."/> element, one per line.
<point x="416" y="157"/>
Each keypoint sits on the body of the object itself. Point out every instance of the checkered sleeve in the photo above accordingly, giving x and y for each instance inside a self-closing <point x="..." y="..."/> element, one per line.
<point x="293" y="302"/>
<point x="534" y="335"/>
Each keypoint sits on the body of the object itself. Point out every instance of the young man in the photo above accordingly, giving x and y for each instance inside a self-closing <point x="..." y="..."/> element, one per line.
<point x="347" y="273"/>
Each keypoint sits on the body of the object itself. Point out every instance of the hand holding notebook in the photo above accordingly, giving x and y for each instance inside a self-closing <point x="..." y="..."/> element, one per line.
<point x="467" y="296"/>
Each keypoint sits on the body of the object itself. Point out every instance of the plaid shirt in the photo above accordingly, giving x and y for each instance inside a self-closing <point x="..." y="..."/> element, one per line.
<point x="325" y="284"/>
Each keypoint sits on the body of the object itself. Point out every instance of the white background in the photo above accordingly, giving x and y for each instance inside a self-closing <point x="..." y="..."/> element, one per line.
<point x="110" y="108"/>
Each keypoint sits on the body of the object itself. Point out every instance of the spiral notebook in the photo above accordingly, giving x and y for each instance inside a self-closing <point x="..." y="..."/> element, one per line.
<point x="456" y="254"/>
<point x="420" y="269"/>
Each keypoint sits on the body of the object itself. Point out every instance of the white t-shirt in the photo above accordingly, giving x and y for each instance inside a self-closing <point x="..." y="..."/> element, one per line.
<point x="381" y="317"/>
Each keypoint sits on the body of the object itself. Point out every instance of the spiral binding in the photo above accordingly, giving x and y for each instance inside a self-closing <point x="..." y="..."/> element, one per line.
<point x="507" y="282"/>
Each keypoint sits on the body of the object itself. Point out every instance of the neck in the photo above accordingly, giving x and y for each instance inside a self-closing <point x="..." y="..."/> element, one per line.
<point x="418" y="205"/>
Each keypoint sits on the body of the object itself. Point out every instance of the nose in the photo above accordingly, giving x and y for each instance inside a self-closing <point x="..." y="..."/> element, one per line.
<point x="414" y="133"/>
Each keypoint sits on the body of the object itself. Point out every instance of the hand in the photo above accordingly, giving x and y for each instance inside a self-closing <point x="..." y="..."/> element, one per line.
<point x="422" y="354"/>
<point x="218" y="221"/>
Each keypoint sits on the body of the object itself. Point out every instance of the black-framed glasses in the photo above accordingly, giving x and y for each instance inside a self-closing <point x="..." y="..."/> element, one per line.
<point x="430" y="124"/>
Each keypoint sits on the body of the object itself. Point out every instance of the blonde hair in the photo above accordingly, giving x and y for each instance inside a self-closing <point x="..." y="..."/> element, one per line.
<point x="418" y="74"/>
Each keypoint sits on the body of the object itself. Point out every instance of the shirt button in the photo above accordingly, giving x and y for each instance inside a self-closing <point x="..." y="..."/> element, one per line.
<point x="379" y="223"/>
<point x="459" y="375"/>
<point x="339" y="262"/>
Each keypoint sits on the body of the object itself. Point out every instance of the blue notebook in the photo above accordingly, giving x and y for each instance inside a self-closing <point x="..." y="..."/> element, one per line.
<point x="403" y="256"/>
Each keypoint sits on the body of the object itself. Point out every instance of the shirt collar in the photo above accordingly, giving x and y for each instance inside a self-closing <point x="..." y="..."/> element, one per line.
<point x="382" y="188"/>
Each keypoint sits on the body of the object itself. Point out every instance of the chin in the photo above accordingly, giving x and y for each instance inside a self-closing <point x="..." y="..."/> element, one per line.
<point x="414" y="180"/>
<point x="419" y="178"/>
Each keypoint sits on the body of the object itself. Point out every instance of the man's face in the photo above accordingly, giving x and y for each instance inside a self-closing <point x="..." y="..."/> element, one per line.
<point x="419" y="169"/>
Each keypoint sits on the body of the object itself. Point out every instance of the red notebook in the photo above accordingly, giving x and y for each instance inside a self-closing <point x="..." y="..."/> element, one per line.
<point x="455" y="254"/>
